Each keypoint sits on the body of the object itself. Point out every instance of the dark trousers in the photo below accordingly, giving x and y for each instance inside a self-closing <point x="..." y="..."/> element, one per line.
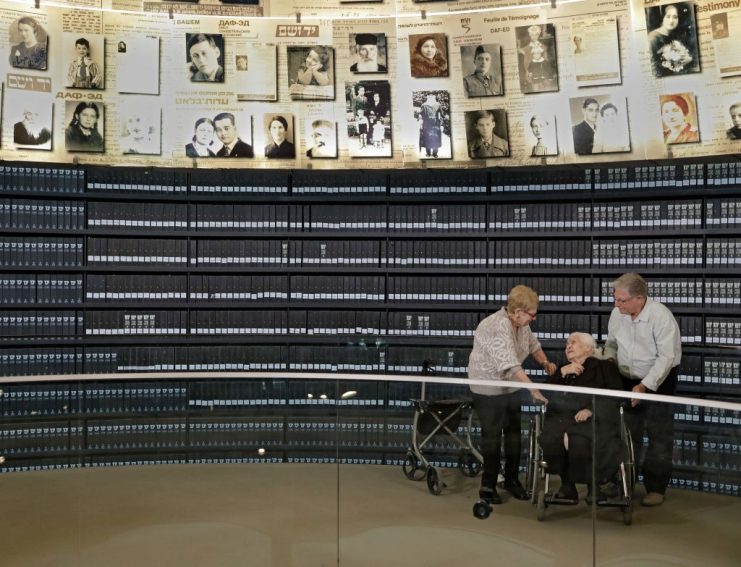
<point x="499" y="414"/>
<point x="657" y="420"/>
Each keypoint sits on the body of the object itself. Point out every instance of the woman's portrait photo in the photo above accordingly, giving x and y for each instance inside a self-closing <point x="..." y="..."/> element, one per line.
<point x="482" y="70"/>
<point x="205" y="57"/>
<point x="368" y="117"/>
<point x="368" y="53"/>
<point x="279" y="136"/>
<point x="84" y="61"/>
<point x="202" y="142"/>
<point x="540" y="132"/>
<point x="599" y="124"/>
<point x="84" y="132"/>
<point x="28" y="44"/>
<point x="311" y="72"/>
<point x="31" y="114"/>
<point x="672" y="39"/>
<point x="734" y="132"/>
<point x="432" y="113"/>
<point x="536" y="57"/>
<point x="140" y="128"/>
<point x="679" y="118"/>
<point x="428" y="54"/>
<point x="486" y="134"/>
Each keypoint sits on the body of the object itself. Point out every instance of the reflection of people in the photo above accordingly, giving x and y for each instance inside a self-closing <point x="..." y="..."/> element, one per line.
<point x="241" y="62"/>
<point x="428" y="59"/>
<point x="677" y="129"/>
<point x="483" y="82"/>
<point x="734" y="132"/>
<point x="611" y="135"/>
<point x="204" y="63"/>
<point x="584" y="131"/>
<point x="567" y="437"/>
<point x="29" y="132"/>
<point x="487" y="143"/>
<point x="82" y="133"/>
<point x="539" y="125"/>
<point x="578" y="40"/>
<point x="280" y="147"/>
<point x="226" y="131"/>
<point x="431" y="125"/>
<point x="324" y="144"/>
<point x="141" y="136"/>
<point x="501" y="343"/>
<point x="671" y="52"/>
<point x="30" y="53"/>
<point x="644" y="338"/>
<point x="83" y="72"/>
<point x="315" y="68"/>
<point x="203" y="137"/>
<point x="367" y="48"/>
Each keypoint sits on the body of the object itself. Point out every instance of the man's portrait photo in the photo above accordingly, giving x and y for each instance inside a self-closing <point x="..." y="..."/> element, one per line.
<point x="205" y="57"/>
<point x="486" y="133"/>
<point x="31" y="114"/>
<point x="368" y="52"/>
<point x="600" y="124"/>
<point x="482" y="70"/>
<point x="321" y="138"/>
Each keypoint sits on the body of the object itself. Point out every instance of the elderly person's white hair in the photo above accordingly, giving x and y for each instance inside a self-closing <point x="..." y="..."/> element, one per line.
<point x="586" y="339"/>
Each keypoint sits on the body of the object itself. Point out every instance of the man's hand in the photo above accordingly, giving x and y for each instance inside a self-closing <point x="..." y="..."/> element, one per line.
<point x="582" y="415"/>
<point x="638" y="389"/>
<point x="538" y="397"/>
<point x="550" y="368"/>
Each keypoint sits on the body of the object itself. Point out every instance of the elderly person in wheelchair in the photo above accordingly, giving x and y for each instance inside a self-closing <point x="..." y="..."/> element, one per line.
<point x="566" y="439"/>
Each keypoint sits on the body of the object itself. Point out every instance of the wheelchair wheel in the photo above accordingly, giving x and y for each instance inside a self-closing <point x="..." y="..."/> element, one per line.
<point x="481" y="509"/>
<point x="411" y="467"/>
<point x="541" y="505"/>
<point x="469" y="465"/>
<point x="434" y="484"/>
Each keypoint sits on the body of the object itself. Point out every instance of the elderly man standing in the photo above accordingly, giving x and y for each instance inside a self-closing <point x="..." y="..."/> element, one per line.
<point x="644" y="338"/>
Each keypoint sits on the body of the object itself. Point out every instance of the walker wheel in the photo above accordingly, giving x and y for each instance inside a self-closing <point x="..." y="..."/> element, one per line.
<point x="481" y="509"/>
<point x="469" y="465"/>
<point x="434" y="484"/>
<point x="541" y="505"/>
<point x="411" y="467"/>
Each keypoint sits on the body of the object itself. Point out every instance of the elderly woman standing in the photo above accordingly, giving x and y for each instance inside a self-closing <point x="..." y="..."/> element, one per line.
<point x="500" y="345"/>
<point x="567" y="435"/>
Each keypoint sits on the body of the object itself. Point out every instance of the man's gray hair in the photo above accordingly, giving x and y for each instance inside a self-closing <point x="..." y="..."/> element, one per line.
<point x="633" y="283"/>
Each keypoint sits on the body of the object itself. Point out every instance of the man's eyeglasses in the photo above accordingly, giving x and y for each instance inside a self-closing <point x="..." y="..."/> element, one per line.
<point x="623" y="301"/>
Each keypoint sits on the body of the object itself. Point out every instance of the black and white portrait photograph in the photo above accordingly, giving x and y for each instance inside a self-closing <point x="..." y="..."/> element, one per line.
<point x="368" y="53"/>
<point x="432" y="114"/>
<point x="428" y="55"/>
<point x="600" y="124"/>
<point x="29" y="44"/>
<point x="85" y="127"/>
<point x="734" y="132"/>
<point x="672" y="39"/>
<point x="482" y="70"/>
<point x="311" y="72"/>
<point x="84" y="61"/>
<point x="540" y="133"/>
<point x="140" y="127"/>
<point x="486" y="133"/>
<point x="219" y="134"/>
<point x="205" y="57"/>
<point x="30" y="114"/>
<point x="679" y="118"/>
<point x="138" y="65"/>
<point x="255" y="74"/>
<point x="321" y="138"/>
<point x="279" y="135"/>
<point x="368" y="112"/>
<point x="536" y="58"/>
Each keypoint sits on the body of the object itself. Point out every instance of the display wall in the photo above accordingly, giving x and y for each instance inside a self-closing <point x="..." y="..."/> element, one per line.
<point x="557" y="83"/>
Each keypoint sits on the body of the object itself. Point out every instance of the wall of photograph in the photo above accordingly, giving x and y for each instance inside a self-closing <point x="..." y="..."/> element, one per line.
<point x="387" y="84"/>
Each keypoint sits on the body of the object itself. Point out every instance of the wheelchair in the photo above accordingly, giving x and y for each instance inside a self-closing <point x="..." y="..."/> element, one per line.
<point x="538" y="477"/>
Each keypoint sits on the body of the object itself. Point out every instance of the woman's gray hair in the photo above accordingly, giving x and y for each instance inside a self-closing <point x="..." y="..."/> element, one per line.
<point x="585" y="339"/>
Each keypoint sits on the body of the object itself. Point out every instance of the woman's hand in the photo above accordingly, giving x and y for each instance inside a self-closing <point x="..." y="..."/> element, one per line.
<point x="550" y="368"/>
<point x="582" y="415"/>
<point x="538" y="397"/>
<point x="572" y="368"/>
